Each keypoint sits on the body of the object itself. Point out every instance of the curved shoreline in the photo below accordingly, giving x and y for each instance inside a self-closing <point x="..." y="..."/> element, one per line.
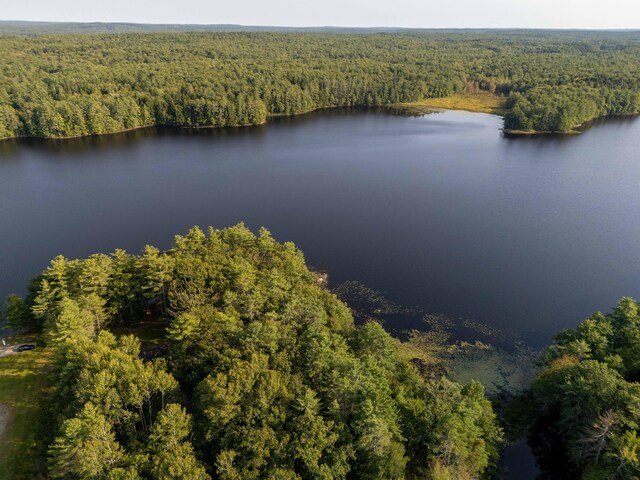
<point x="422" y="107"/>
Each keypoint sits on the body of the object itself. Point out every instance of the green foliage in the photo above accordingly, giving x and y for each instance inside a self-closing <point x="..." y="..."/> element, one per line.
<point x="16" y="312"/>
<point x="72" y="322"/>
<point x="587" y="395"/>
<point x="86" y="447"/>
<point x="561" y="108"/>
<point x="72" y="85"/>
<point x="172" y="458"/>
<point x="279" y="382"/>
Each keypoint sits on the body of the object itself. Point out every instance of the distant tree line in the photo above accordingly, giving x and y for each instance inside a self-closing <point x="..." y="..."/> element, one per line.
<point x="73" y="85"/>
<point x="264" y="376"/>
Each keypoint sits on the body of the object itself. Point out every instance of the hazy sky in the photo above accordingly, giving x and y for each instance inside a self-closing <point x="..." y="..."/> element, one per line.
<point x="403" y="13"/>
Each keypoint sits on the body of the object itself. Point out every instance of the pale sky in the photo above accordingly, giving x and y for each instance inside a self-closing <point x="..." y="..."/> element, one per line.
<point x="393" y="13"/>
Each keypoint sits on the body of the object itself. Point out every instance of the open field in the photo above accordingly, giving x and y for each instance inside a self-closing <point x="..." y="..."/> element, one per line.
<point x="472" y="102"/>
<point x="23" y="384"/>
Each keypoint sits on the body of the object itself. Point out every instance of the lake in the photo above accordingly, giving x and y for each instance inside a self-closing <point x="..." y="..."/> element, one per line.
<point x="442" y="212"/>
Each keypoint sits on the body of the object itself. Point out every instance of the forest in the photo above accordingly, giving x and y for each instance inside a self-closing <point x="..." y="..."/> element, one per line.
<point x="584" y="402"/>
<point x="226" y="357"/>
<point x="261" y="374"/>
<point x="65" y="85"/>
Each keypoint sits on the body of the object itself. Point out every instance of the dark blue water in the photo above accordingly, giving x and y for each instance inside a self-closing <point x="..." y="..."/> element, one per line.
<point x="443" y="212"/>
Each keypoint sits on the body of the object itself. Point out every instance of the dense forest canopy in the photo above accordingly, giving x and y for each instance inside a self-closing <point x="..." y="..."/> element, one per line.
<point x="262" y="374"/>
<point x="586" y="399"/>
<point x="72" y="85"/>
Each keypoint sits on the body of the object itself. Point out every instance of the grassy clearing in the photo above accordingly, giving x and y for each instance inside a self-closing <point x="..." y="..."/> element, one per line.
<point x="472" y="102"/>
<point x="149" y="332"/>
<point x="24" y="385"/>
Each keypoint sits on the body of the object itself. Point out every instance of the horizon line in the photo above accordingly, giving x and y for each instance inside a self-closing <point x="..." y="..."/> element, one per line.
<point x="371" y="27"/>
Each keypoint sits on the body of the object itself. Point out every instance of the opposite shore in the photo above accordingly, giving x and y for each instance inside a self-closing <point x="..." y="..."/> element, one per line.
<point x="470" y="102"/>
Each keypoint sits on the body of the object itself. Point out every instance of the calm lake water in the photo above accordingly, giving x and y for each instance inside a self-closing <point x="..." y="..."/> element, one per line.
<point x="527" y="235"/>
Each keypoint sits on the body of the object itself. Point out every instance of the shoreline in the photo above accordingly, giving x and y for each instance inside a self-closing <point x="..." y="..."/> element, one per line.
<point x="473" y="103"/>
<point x="532" y="133"/>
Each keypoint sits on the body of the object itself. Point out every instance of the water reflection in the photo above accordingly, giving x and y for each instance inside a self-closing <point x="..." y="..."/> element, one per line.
<point x="443" y="212"/>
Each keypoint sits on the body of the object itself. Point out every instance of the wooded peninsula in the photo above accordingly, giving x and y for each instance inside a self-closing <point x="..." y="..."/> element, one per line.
<point x="67" y="85"/>
<point x="225" y="357"/>
<point x="259" y="373"/>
